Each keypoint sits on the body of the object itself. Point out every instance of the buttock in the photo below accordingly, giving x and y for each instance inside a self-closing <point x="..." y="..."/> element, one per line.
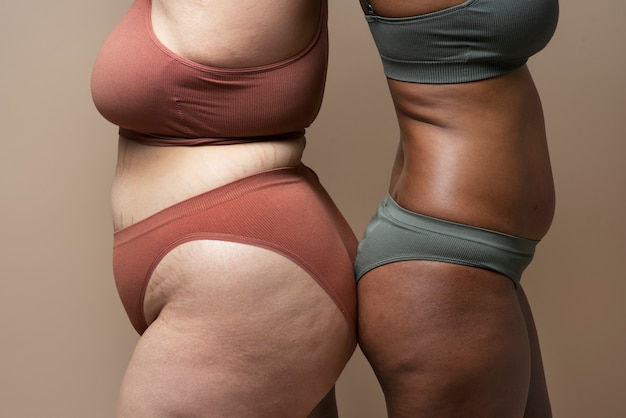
<point x="284" y="210"/>
<point x="397" y="234"/>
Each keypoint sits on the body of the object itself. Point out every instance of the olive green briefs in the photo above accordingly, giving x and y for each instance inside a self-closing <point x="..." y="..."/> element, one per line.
<point x="397" y="234"/>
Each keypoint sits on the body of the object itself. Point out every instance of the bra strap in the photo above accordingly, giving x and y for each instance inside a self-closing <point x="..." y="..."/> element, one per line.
<point x="367" y="7"/>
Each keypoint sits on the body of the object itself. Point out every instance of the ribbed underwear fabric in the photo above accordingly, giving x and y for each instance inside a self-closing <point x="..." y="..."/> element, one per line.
<point x="397" y="234"/>
<point x="285" y="210"/>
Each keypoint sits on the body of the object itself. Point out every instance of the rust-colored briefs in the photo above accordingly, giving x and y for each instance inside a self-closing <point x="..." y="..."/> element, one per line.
<point x="285" y="210"/>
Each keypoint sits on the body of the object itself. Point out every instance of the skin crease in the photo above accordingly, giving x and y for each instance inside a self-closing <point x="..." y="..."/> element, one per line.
<point x="237" y="356"/>
<point x="473" y="153"/>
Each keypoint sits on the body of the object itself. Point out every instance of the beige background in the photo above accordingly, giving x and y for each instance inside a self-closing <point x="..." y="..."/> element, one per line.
<point x="64" y="339"/>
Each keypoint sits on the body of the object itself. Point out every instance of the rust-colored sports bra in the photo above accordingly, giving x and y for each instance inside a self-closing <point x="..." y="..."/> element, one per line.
<point x="159" y="98"/>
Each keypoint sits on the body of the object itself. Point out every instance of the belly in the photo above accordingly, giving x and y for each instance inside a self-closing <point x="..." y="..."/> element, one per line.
<point x="475" y="153"/>
<point x="149" y="179"/>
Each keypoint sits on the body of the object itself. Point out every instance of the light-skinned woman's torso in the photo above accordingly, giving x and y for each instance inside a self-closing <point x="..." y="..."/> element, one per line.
<point x="242" y="34"/>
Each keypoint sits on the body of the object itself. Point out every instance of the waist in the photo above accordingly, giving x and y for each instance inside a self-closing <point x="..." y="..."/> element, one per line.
<point x="151" y="178"/>
<point x="475" y="153"/>
<point x="499" y="103"/>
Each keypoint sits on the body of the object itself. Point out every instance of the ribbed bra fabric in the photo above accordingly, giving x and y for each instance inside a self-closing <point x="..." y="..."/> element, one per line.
<point x="159" y="98"/>
<point x="475" y="40"/>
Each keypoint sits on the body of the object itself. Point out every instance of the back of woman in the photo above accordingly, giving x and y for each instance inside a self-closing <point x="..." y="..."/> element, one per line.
<point x="230" y="258"/>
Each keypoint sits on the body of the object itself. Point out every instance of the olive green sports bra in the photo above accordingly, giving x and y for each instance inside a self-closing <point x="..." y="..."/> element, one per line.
<point x="475" y="40"/>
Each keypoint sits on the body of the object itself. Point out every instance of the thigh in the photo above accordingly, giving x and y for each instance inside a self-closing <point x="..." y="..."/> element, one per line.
<point x="241" y="332"/>
<point x="460" y="343"/>
<point x="538" y="403"/>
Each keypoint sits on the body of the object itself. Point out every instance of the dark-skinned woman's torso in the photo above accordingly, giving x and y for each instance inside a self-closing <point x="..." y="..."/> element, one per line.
<point x="473" y="144"/>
